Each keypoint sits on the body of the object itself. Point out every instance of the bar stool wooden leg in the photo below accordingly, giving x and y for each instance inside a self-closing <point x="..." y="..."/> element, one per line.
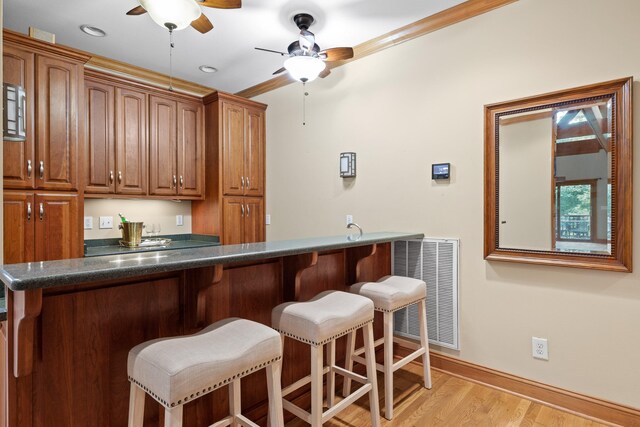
<point x="331" y="375"/>
<point x="136" y="406"/>
<point x="424" y="342"/>
<point x="388" y="365"/>
<point x="370" y="356"/>
<point x="173" y="417"/>
<point x="316" y="385"/>
<point x="274" y="390"/>
<point x="235" y="402"/>
<point x="348" y="362"/>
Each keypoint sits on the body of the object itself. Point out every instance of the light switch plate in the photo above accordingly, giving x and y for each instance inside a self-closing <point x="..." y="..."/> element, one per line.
<point x="88" y="222"/>
<point x="106" y="222"/>
<point x="267" y="219"/>
<point x="179" y="220"/>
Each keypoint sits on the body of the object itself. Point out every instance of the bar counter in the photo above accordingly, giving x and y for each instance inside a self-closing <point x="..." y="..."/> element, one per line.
<point x="71" y="323"/>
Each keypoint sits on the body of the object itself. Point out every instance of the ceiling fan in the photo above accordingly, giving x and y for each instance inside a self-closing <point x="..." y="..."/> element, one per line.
<point x="178" y="14"/>
<point x="306" y="61"/>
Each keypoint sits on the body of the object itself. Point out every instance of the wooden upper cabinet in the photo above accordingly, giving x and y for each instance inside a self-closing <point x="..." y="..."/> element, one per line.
<point x="57" y="129"/>
<point x="19" y="228"/>
<point x="254" y="153"/>
<point x="19" y="160"/>
<point x="163" y="177"/>
<point x="131" y="142"/>
<point x="190" y="156"/>
<point x="233" y="136"/>
<point x="100" y="168"/>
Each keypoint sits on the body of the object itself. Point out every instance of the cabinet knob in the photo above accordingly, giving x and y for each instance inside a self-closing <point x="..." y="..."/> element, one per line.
<point x="41" y="211"/>
<point x="242" y="206"/>
<point x="175" y="181"/>
<point x="41" y="169"/>
<point x="242" y="181"/>
<point x="181" y="182"/>
<point x="119" y="177"/>
<point x="111" y="177"/>
<point x="29" y="211"/>
<point x="248" y="210"/>
<point x="248" y="182"/>
<point x="29" y="168"/>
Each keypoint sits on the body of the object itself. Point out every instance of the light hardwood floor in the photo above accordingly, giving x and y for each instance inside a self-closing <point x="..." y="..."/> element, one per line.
<point x="453" y="401"/>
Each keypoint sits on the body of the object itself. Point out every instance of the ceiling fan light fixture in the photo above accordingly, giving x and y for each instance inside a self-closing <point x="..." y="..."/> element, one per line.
<point x="304" y="68"/>
<point x="180" y="13"/>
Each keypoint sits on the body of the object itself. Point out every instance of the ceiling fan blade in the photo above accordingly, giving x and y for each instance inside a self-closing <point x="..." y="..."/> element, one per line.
<point x="307" y="40"/>
<point x="324" y="73"/>
<point x="337" y="53"/>
<point x="281" y="70"/>
<point x="272" y="51"/>
<point x="202" y="24"/>
<point x="138" y="10"/>
<point x="221" y="4"/>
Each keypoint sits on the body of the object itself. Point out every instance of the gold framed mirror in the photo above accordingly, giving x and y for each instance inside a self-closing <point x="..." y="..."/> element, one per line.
<point x="558" y="178"/>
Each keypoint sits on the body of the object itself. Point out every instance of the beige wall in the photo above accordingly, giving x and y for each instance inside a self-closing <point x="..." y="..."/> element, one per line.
<point x="525" y="176"/>
<point x="422" y="102"/>
<point x="162" y="212"/>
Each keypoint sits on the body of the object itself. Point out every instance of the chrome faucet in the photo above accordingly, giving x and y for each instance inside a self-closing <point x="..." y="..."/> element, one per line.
<point x="351" y="237"/>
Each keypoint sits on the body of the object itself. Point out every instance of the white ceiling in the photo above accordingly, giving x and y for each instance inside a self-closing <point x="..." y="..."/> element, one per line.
<point x="229" y="46"/>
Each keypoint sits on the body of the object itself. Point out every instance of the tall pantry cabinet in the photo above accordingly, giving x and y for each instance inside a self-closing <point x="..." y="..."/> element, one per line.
<point x="235" y="139"/>
<point x="41" y="175"/>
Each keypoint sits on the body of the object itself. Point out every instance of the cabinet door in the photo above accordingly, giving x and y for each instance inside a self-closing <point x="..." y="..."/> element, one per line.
<point x="163" y="179"/>
<point x="19" y="220"/>
<point x="57" y="83"/>
<point x="233" y="134"/>
<point x="254" y="154"/>
<point x="190" y="149"/>
<point x="131" y="142"/>
<point x="233" y="212"/>
<point x="19" y="161"/>
<point x="101" y="150"/>
<point x="253" y="219"/>
<point x="57" y="227"/>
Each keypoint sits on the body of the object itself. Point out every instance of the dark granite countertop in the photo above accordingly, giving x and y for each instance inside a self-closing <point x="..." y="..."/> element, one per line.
<point x="100" y="247"/>
<point x="48" y="274"/>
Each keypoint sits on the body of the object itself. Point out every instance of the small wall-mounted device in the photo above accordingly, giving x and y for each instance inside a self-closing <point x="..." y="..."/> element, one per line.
<point x="440" y="170"/>
<point x="347" y="165"/>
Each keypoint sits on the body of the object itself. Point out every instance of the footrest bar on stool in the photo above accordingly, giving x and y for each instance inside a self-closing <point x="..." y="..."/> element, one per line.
<point x="409" y="358"/>
<point x="376" y="343"/>
<point x="335" y="409"/>
<point x="301" y="382"/>
<point x="223" y="422"/>
<point x="296" y="410"/>
<point x="362" y="361"/>
<point x="351" y="375"/>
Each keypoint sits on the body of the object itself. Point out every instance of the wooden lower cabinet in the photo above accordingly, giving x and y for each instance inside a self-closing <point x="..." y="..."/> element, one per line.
<point x="41" y="226"/>
<point x="243" y="220"/>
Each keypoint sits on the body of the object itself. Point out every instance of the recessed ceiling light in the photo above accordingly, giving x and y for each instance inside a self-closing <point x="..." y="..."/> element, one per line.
<point x="207" y="69"/>
<point x="92" y="31"/>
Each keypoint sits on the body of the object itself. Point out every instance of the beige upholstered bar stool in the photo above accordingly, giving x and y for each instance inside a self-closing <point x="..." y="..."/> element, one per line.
<point x="390" y="294"/>
<point x="177" y="370"/>
<point x="319" y="322"/>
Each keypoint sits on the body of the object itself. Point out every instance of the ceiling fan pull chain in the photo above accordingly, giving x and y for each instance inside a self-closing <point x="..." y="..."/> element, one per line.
<point x="171" y="46"/>
<point x="304" y="103"/>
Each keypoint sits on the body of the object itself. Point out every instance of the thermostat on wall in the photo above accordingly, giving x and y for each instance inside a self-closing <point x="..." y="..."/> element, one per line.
<point x="440" y="171"/>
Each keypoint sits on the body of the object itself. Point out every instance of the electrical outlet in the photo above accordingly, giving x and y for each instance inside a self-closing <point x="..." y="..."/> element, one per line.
<point x="349" y="219"/>
<point x="106" y="222"/>
<point x="539" y="348"/>
<point x="88" y="222"/>
<point x="267" y="219"/>
<point x="179" y="220"/>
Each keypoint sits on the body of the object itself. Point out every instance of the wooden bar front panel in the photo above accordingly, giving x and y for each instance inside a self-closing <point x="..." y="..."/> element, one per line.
<point x="85" y="332"/>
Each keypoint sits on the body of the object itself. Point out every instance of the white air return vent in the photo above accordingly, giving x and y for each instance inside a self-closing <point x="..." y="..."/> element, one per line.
<point x="436" y="262"/>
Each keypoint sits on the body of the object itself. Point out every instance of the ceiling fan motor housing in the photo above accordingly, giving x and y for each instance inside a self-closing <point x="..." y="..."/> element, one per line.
<point x="294" y="49"/>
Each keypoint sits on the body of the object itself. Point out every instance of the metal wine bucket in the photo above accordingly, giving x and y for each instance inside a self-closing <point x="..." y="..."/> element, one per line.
<point x="131" y="233"/>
